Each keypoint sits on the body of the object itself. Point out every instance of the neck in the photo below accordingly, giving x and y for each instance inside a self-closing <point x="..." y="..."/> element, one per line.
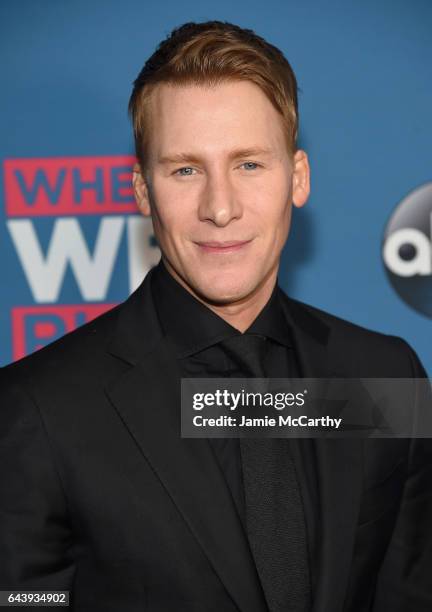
<point x="238" y="313"/>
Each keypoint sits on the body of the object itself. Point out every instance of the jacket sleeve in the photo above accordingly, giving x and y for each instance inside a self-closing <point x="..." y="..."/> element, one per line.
<point x="405" y="580"/>
<point x="35" y="536"/>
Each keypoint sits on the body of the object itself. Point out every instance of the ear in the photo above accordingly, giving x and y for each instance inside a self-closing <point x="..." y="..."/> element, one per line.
<point x="141" y="191"/>
<point x="300" y="179"/>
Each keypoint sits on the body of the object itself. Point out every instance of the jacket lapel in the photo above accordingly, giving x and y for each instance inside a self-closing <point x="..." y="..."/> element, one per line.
<point x="338" y="469"/>
<point x="147" y="398"/>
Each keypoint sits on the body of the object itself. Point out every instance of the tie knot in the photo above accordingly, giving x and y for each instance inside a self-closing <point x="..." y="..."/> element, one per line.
<point x="248" y="352"/>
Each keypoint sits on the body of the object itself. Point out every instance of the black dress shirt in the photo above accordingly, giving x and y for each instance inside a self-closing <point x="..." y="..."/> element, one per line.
<point x="195" y="331"/>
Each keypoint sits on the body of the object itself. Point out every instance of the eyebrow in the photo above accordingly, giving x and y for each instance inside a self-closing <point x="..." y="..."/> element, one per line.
<point x="194" y="158"/>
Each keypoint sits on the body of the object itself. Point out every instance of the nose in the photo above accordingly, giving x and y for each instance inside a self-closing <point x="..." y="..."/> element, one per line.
<point x="219" y="202"/>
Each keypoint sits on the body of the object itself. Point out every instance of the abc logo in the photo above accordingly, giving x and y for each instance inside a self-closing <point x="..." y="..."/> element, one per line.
<point x="407" y="249"/>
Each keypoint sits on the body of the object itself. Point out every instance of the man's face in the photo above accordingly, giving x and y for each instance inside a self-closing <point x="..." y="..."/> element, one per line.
<point x="219" y="186"/>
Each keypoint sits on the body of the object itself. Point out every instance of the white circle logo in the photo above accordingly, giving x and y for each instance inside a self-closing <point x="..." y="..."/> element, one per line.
<point x="407" y="249"/>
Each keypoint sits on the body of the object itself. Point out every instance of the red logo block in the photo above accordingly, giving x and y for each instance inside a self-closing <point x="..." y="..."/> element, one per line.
<point x="69" y="186"/>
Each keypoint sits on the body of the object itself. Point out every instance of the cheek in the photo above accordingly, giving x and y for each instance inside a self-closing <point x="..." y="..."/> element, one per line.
<point x="274" y="212"/>
<point x="169" y="214"/>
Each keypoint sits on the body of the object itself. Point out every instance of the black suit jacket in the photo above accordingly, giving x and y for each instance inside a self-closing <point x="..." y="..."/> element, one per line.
<point x="100" y="495"/>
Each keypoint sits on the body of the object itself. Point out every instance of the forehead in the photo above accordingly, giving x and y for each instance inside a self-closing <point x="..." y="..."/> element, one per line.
<point x="213" y="118"/>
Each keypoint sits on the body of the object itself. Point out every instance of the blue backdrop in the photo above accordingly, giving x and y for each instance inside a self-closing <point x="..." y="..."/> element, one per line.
<point x="71" y="243"/>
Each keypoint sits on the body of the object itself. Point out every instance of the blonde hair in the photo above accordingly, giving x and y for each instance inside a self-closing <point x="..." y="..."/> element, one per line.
<point x="207" y="54"/>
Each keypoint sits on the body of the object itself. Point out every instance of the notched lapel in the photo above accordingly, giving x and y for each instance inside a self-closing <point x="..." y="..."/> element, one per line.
<point x="338" y="469"/>
<point x="147" y="399"/>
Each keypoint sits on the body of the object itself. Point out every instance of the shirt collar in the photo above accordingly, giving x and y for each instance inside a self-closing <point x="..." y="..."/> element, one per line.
<point x="192" y="326"/>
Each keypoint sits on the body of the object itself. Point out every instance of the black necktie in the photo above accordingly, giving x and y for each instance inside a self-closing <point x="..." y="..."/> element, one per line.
<point x="274" y="510"/>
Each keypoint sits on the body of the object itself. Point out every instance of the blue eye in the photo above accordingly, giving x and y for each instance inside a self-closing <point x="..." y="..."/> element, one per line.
<point x="250" y="165"/>
<point x="187" y="171"/>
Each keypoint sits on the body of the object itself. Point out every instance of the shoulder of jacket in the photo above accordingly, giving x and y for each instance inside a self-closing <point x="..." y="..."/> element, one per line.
<point x="72" y="351"/>
<point x="358" y="347"/>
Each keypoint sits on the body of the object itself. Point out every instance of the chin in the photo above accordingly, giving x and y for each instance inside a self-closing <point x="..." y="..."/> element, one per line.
<point x="222" y="289"/>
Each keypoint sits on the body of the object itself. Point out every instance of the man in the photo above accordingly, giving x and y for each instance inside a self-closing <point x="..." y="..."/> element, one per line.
<point x="101" y="496"/>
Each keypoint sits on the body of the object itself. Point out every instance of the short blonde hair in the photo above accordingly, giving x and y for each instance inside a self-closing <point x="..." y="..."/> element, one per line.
<point x="207" y="54"/>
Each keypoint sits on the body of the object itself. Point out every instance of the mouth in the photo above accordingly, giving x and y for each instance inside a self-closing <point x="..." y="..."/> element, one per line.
<point x="226" y="246"/>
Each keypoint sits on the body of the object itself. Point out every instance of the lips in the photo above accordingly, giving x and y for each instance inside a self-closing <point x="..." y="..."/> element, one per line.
<point x="225" y="246"/>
